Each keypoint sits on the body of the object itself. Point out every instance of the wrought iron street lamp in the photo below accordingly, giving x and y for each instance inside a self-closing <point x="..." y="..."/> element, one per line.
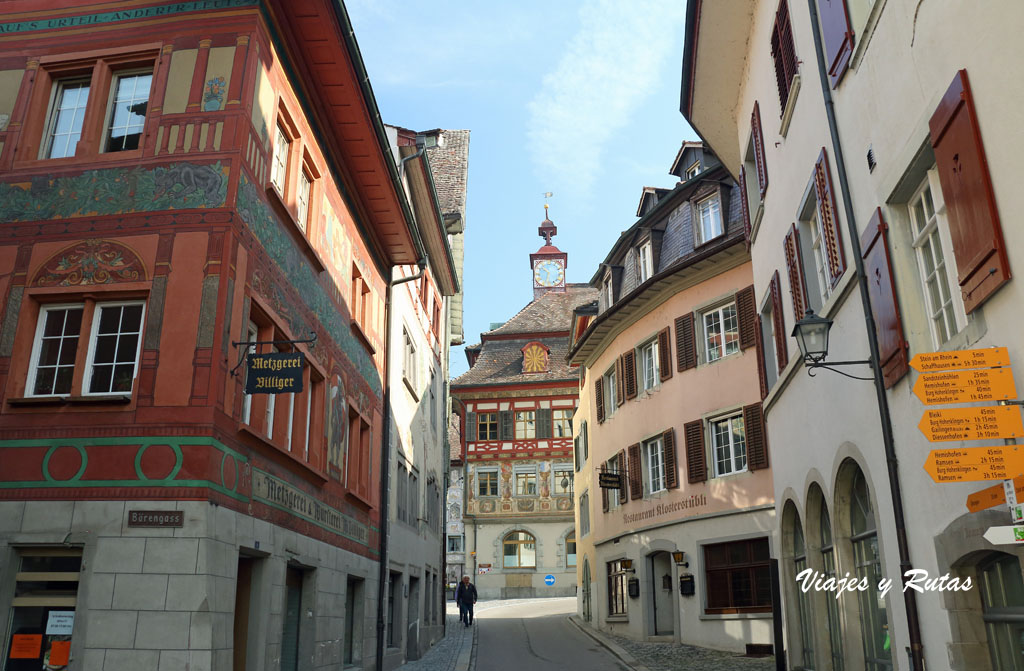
<point x="811" y="335"/>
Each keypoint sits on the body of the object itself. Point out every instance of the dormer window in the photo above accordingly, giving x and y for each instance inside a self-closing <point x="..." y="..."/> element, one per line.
<point x="693" y="170"/>
<point x="645" y="261"/>
<point x="609" y="297"/>
<point x="535" y="357"/>
<point x="709" y="219"/>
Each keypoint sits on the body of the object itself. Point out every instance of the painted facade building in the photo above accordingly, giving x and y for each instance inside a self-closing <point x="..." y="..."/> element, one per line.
<point x="455" y="527"/>
<point x="670" y="405"/>
<point x="879" y="152"/>
<point x="418" y="368"/>
<point x="516" y="402"/>
<point x="178" y="180"/>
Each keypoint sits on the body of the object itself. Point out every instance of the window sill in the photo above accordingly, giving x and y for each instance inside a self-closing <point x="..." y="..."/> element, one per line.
<point x="617" y="618"/>
<point x="49" y="164"/>
<point x="731" y="475"/>
<point x="755" y="226"/>
<point x="28" y="401"/>
<point x="360" y="334"/>
<point x="750" y="615"/>
<point x="277" y="202"/>
<point x="307" y="469"/>
<point x="705" y="243"/>
<point x="412" y="390"/>
<point x="787" y="114"/>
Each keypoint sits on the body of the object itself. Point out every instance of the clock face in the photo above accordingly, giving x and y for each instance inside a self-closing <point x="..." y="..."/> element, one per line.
<point x="548" y="273"/>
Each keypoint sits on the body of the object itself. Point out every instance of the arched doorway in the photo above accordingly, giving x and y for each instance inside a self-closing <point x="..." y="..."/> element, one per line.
<point x="586" y="590"/>
<point x="662" y="623"/>
<point x="1002" y="603"/>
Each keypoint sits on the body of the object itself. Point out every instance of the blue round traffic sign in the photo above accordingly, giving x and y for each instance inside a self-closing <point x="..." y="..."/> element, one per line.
<point x="549" y="580"/>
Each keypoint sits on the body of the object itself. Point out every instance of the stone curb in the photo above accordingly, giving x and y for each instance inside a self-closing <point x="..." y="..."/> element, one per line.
<point x="467" y="656"/>
<point x="629" y="660"/>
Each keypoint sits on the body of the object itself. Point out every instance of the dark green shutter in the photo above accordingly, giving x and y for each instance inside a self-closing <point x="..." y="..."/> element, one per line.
<point x="507" y="425"/>
<point x="544" y="423"/>
<point x="471" y="426"/>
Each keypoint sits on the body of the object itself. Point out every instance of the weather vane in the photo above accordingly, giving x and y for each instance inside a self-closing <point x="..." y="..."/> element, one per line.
<point x="547" y="194"/>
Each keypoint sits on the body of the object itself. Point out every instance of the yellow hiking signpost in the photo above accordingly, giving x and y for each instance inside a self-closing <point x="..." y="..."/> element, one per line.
<point x="993" y="496"/>
<point x="969" y="464"/>
<point x="988" y="357"/>
<point x="1001" y="421"/>
<point x="965" y="386"/>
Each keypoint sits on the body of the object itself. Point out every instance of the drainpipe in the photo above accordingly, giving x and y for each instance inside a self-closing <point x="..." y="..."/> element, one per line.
<point x="913" y="620"/>
<point x="385" y="452"/>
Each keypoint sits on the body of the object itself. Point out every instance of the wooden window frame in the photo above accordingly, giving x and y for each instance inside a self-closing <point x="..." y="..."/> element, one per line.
<point x="529" y="425"/>
<point x="490" y="425"/>
<point x="750" y="566"/>
<point x="617" y="592"/>
<point x="525" y="471"/>
<point x="492" y="478"/>
<point x="710" y="432"/>
<point x="530" y="540"/>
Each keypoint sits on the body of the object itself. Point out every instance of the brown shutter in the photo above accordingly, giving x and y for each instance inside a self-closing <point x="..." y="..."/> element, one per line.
<point x="755" y="132"/>
<point x="696" y="463"/>
<point x="974" y="227"/>
<point x="668" y="439"/>
<point x="838" y="37"/>
<point x="885" y="306"/>
<point x="762" y="374"/>
<point x="664" y="353"/>
<point x="779" y="322"/>
<point x="795" y="269"/>
<point x="744" y="206"/>
<point x="756" y="437"/>
<point x="636" y="482"/>
<point x="783" y="53"/>
<point x="620" y="382"/>
<point x="599" y="397"/>
<point x="686" y="348"/>
<point x="629" y="369"/>
<point x="620" y="464"/>
<point x="746" y="310"/>
<point x="833" y="240"/>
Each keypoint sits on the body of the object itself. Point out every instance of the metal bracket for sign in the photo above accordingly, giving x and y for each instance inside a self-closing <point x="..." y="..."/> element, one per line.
<point x="250" y="343"/>
<point x="829" y="366"/>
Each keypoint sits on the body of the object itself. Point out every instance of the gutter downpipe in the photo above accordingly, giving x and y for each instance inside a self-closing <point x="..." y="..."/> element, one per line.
<point x="913" y="620"/>
<point x="385" y="452"/>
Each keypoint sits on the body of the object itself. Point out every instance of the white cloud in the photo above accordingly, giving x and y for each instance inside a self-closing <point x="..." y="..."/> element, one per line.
<point x="612" y="64"/>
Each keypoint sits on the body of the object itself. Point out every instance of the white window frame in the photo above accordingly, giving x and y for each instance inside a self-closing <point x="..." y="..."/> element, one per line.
<point x="936" y="230"/>
<point x="608" y="294"/>
<point x="720" y="311"/>
<point x="37" y="344"/>
<point x="280" y="157"/>
<point x="409" y="367"/>
<point x="820" y="260"/>
<point x="89" y="361"/>
<point x="524" y="470"/>
<point x="650" y="374"/>
<point x="528" y="422"/>
<point x="461" y="544"/>
<point x="653" y="452"/>
<point x="693" y="170"/>
<point x="645" y="261"/>
<point x="556" y="479"/>
<point x="699" y="233"/>
<point x="731" y="447"/>
<point x="771" y="364"/>
<point x="302" y="195"/>
<point x="111" y="95"/>
<point x="54" y="112"/>
<point x="610" y="401"/>
<point x="612" y="466"/>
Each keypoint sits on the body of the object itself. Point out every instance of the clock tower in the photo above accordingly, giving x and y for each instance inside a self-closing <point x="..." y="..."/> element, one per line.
<point x="548" y="263"/>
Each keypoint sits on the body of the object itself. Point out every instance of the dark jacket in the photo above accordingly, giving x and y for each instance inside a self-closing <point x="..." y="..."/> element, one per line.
<point x="465" y="593"/>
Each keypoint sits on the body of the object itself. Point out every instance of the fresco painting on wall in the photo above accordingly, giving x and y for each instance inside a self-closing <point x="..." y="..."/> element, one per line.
<point x="213" y="94"/>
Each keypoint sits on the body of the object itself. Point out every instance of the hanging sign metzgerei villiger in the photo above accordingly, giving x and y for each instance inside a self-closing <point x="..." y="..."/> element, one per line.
<point x="274" y="373"/>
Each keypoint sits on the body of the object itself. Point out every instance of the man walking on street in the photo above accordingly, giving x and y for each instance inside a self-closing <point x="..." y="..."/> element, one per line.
<point x="465" y="596"/>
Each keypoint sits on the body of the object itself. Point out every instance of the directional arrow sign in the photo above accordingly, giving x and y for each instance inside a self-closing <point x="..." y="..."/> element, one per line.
<point x="1005" y="535"/>
<point x="993" y="496"/>
<point x="969" y="464"/>
<point x="1000" y="421"/>
<point x="966" y="386"/>
<point x="968" y="358"/>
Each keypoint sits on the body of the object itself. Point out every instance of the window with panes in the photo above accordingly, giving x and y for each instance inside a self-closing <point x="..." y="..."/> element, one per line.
<point x="614" y="465"/>
<point x="874" y="618"/>
<point x="738" y="577"/>
<point x="519" y="550"/>
<point x="828" y="564"/>
<point x="487" y="482"/>
<point x="561" y="423"/>
<point x="803" y="599"/>
<point x="645" y="261"/>
<point x="709" y="219"/>
<point x="609" y="393"/>
<point x="721" y="332"/>
<point x="570" y="550"/>
<point x="617" y="578"/>
<point x="562" y="479"/>
<point x="654" y="465"/>
<point x="455" y="543"/>
<point x="127" y="114"/>
<point x="934" y="270"/>
<point x="1002" y="602"/>
<point x="526" y="481"/>
<point x="728" y="445"/>
<point x="279" y="160"/>
<point x="302" y="199"/>
<point x="45" y="588"/>
<point x="649" y="372"/>
<point x="487" y="426"/>
<point x="526" y="424"/>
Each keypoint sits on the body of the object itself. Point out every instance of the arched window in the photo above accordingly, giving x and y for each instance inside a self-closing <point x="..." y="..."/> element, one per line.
<point x="520" y="550"/>
<point x="828" y="563"/>
<point x="803" y="600"/>
<point x="874" y="620"/>
<point x="570" y="550"/>
<point x="1002" y="601"/>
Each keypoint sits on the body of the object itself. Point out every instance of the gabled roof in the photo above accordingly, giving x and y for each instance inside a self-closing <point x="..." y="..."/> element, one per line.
<point x="649" y="192"/>
<point x="549" y="313"/>
<point x="687" y="144"/>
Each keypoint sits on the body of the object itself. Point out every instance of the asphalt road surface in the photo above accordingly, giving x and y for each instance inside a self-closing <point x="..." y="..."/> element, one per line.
<point x="536" y="634"/>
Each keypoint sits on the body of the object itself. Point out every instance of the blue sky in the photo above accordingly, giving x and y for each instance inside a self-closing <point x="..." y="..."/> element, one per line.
<point x="577" y="98"/>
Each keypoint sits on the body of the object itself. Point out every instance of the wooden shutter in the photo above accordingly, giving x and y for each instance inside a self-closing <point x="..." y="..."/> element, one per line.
<point x="620" y="464"/>
<point x="686" y="347"/>
<point x="779" y="322"/>
<point x="762" y="374"/>
<point x="668" y="439"/>
<point x="783" y="53"/>
<point x="604" y="499"/>
<point x="576" y="453"/>
<point x="586" y="443"/>
<point x="744" y="206"/>
<point x="756" y="437"/>
<point x="636" y="475"/>
<point x="885" y="306"/>
<point x="544" y="422"/>
<point x="758" y="137"/>
<point x="470" y="426"/>
<point x="982" y="266"/>
<point x="629" y="373"/>
<point x="838" y="37"/>
<point x="620" y="382"/>
<point x="599" y="397"/>
<point x="696" y="463"/>
<point x="665" y="353"/>
<point x="833" y="240"/>
<point x="508" y="425"/>
<point x="746" y="311"/>
<point x="795" y="269"/>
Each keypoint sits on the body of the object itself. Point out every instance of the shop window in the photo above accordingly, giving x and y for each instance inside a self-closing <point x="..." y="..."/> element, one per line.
<point x="738" y="577"/>
<point x="43" y="609"/>
<point x="617" y="577"/>
<point x="519" y="550"/>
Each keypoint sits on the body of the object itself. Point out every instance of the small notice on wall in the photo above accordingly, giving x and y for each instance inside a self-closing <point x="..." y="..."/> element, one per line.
<point x="26" y="646"/>
<point x="60" y="653"/>
<point x="60" y="623"/>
